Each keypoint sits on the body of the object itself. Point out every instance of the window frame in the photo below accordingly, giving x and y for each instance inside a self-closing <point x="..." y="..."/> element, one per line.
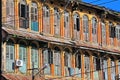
<point x="34" y="16"/>
<point x="10" y="64"/>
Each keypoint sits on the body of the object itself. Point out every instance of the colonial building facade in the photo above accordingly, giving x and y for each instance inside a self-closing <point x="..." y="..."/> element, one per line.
<point x="77" y="41"/>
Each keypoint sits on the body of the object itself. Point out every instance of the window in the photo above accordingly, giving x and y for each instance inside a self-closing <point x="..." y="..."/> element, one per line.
<point x="103" y="33"/>
<point x="57" y="61"/>
<point x="46" y="20"/>
<point x="94" y="26"/>
<point x="34" y="17"/>
<point x="105" y="68"/>
<point x="10" y="61"/>
<point x="10" y="13"/>
<point x="94" y="30"/>
<point x="34" y="56"/>
<point x="78" y="60"/>
<point x="56" y="22"/>
<point x="47" y="59"/>
<point x="78" y="64"/>
<point x="76" y="19"/>
<point x="111" y="30"/>
<point x="113" y="70"/>
<point x="67" y="63"/>
<point x="24" y="14"/>
<point x="118" y="31"/>
<point x="66" y="24"/>
<point x="87" y="66"/>
<point x="97" y="67"/>
<point x="85" y="24"/>
<point x="23" y="57"/>
<point x="86" y="27"/>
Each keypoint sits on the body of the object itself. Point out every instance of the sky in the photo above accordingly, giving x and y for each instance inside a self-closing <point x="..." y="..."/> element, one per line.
<point x="110" y="4"/>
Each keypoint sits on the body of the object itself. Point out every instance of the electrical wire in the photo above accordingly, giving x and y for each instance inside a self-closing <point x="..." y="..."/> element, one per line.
<point x="82" y="73"/>
<point x="107" y="2"/>
<point x="94" y="1"/>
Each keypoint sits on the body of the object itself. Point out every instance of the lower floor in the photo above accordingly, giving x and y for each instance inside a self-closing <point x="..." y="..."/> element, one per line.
<point x="55" y="61"/>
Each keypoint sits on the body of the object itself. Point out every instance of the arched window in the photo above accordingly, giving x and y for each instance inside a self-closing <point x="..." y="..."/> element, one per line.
<point x="23" y="14"/>
<point x="10" y="56"/>
<point x="76" y="19"/>
<point x="66" y="24"/>
<point x="10" y="12"/>
<point x="67" y="63"/>
<point x="86" y="27"/>
<point x="57" y="61"/>
<point x="56" y="22"/>
<point x="78" y="64"/>
<point x="94" y="30"/>
<point x="103" y="33"/>
<point x="23" y="57"/>
<point x="34" y="16"/>
<point x="46" y="19"/>
<point x="47" y="59"/>
<point x="34" y="56"/>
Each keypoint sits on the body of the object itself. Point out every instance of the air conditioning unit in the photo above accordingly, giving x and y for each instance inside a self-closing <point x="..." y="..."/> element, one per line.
<point x="19" y="63"/>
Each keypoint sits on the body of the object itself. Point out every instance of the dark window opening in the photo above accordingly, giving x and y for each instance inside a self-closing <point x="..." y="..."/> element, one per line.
<point x="50" y="57"/>
<point x="22" y="11"/>
<point x="78" y="61"/>
<point x="98" y="66"/>
<point x="78" y="24"/>
<point x="112" y="31"/>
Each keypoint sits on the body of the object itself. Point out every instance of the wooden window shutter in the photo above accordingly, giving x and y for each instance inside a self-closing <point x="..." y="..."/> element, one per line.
<point x="50" y="57"/>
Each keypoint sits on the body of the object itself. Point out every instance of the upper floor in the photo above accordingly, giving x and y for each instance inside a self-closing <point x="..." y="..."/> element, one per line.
<point x="77" y="22"/>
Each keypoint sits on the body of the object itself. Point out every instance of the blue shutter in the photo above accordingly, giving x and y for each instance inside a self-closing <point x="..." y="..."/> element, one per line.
<point x="22" y="56"/>
<point x="34" y="26"/>
<point x="10" y="57"/>
<point x="77" y="72"/>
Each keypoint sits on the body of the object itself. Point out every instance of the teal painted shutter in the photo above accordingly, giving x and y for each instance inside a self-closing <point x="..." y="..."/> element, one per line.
<point x="10" y="57"/>
<point x="34" y="58"/>
<point x="23" y="57"/>
<point x="45" y="60"/>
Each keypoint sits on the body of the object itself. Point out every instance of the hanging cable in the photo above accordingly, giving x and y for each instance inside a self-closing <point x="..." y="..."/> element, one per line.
<point x="107" y="2"/>
<point x="94" y="1"/>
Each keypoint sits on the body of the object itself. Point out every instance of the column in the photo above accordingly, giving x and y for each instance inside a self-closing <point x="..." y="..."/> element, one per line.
<point x="29" y="61"/>
<point x="83" y="66"/>
<point x="107" y="33"/>
<point x="109" y="68"/>
<point x="16" y="55"/>
<point x="91" y="68"/>
<point x="16" y="8"/>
